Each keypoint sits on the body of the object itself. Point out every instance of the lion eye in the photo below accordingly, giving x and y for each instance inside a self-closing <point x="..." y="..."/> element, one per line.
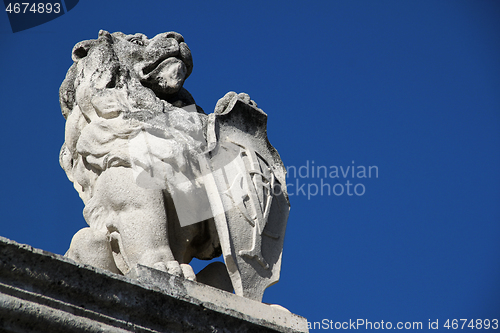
<point x="137" y="41"/>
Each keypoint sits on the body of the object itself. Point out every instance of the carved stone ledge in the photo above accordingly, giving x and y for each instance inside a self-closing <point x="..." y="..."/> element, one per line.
<point x="45" y="292"/>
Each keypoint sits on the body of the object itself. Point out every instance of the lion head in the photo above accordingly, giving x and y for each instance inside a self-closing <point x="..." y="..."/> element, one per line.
<point x="161" y="64"/>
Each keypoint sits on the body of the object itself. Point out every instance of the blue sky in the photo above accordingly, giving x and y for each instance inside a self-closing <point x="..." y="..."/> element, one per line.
<point x="411" y="87"/>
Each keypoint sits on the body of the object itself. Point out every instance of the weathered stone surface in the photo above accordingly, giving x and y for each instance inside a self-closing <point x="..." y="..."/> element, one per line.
<point x="45" y="292"/>
<point x="163" y="182"/>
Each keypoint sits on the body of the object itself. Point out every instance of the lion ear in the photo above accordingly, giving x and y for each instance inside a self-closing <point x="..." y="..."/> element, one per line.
<point x="81" y="49"/>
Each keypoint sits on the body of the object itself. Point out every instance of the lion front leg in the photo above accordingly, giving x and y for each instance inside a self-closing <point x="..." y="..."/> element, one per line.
<point x="135" y="218"/>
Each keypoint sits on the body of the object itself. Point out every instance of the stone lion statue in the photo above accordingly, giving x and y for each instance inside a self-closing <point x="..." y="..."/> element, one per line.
<point x="122" y="87"/>
<point x="162" y="182"/>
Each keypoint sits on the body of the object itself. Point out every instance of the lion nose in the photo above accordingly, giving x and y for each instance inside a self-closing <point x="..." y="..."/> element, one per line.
<point x="172" y="34"/>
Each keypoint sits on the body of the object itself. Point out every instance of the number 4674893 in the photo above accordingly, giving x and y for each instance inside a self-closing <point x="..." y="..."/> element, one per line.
<point x="477" y="324"/>
<point x="35" y="8"/>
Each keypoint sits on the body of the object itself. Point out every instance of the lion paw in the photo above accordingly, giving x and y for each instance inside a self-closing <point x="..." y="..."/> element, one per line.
<point x="171" y="267"/>
<point x="228" y="99"/>
<point x="188" y="272"/>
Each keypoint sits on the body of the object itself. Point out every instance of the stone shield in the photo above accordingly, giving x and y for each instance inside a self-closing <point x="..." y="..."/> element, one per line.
<point x="245" y="183"/>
